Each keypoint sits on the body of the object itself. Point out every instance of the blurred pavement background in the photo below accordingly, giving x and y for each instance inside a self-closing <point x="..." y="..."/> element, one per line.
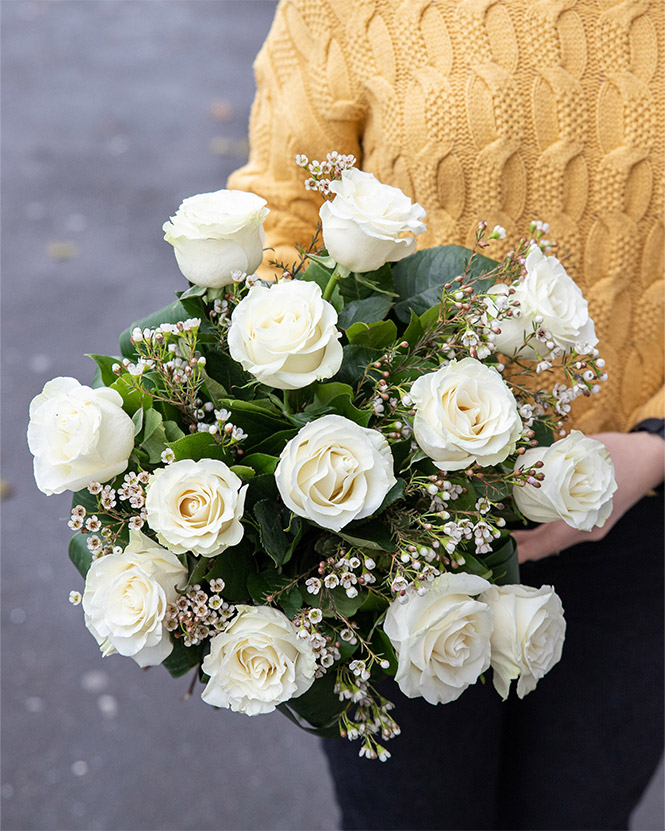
<point x="113" y="111"/>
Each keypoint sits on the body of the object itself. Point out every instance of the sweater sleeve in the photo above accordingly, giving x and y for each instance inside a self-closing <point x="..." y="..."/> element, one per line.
<point x="305" y="104"/>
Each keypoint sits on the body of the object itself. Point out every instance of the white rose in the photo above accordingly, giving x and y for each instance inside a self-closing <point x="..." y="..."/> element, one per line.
<point x="442" y="638"/>
<point x="257" y="662"/>
<point x="215" y="234"/>
<point x="334" y="471"/>
<point x="286" y="335"/>
<point x="363" y="225"/>
<point x="196" y="506"/>
<point x="126" y="596"/>
<point x="578" y="485"/>
<point x="549" y="292"/>
<point x="465" y="413"/>
<point x="528" y="635"/>
<point x="77" y="435"/>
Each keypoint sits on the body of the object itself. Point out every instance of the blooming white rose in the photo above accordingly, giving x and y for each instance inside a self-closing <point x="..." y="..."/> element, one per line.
<point x="196" y="506"/>
<point x="286" y="335"/>
<point x="549" y="292"/>
<point x="442" y="638"/>
<point x="363" y="225"/>
<point x="257" y="662"/>
<point x="465" y="413"/>
<point x="126" y="596"/>
<point x="578" y="485"/>
<point x="77" y="435"/>
<point x="527" y="639"/>
<point x="334" y="471"/>
<point x="215" y="234"/>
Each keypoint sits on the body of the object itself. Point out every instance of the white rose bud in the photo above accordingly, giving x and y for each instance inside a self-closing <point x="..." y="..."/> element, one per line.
<point x="77" y="435"/>
<point x="363" y="226"/>
<point x="216" y="234"/>
<point x="196" y="506"/>
<point x="257" y="662"/>
<point x="578" y="485"/>
<point x="465" y="413"/>
<point x="527" y="639"/>
<point x="126" y="596"/>
<point x="442" y="638"/>
<point x="549" y="294"/>
<point x="286" y="335"/>
<point x="334" y="471"/>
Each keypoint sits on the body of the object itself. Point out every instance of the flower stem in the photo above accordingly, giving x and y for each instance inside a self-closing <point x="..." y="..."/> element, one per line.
<point x="337" y="274"/>
<point x="288" y="407"/>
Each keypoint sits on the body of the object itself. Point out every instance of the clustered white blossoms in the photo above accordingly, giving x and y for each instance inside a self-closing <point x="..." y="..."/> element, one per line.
<point x="264" y="463"/>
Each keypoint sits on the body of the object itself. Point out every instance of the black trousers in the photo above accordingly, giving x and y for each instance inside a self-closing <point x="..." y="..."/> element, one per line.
<point x="577" y="752"/>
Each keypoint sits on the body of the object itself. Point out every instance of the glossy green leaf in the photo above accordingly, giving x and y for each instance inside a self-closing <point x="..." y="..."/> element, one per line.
<point x="377" y="335"/>
<point x="369" y="310"/>
<point x="79" y="553"/>
<point x="182" y="658"/>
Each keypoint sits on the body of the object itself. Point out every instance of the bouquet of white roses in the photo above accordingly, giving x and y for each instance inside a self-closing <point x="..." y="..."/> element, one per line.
<point x="297" y="487"/>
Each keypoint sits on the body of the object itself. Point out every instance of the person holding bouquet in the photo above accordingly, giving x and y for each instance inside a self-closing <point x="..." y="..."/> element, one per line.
<point x="506" y="112"/>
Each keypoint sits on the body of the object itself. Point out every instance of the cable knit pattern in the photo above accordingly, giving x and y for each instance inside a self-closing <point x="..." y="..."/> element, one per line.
<point x="504" y="110"/>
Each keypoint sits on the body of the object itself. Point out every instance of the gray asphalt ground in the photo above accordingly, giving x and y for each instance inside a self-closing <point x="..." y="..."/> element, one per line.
<point x="112" y="113"/>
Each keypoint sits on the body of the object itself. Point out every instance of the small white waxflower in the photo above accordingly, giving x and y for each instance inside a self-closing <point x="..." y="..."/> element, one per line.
<point x="75" y="598"/>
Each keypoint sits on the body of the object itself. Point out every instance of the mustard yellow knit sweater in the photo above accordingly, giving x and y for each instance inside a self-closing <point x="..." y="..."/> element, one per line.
<point x="503" y="110"/>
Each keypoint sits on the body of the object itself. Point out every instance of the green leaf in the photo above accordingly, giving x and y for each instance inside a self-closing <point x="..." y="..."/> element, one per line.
<point x="544" y="434"/>
<point x="268" y="583"/>
<point x="320" y="275"/>
<point x="182" y="658"/>
<point x="419" y="278"/>
<point x="369" y="309"/>
<point x="154" y="436"/>
<point x="137" y="419"/>
<point x="336" y="601"/>
<point x="173" y="432"/>
<point x="274" y="444"/>
<point x="317" y="711"/>
<point x="377" y="335"/>
<point x="504" y="563"/>
<point x="132" y="399"/>
<point x="382" y="645"/>
<point x="234" y="566"/>
<point x="221" y="367"/>
<point x="368" y="534"/>
<point x="279" y="529"/>
<point x="360" y="286"/>
<point x="192" y="291"/>
<point x="414" y="331"/>
<point x="261" y="487"/>
<point x="198" y="446"/>
<point x="214" y="390"/>
<point x="261" y="462"/>
<point x="356" y="359"/>
<point x="104" y="364"/>
<point x="79" y="553"/>
<point x="243" y="471"/>
<point x="337" y="398"/>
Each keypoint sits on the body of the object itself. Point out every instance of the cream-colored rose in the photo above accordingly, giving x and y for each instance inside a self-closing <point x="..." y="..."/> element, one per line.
<point x="215" y="234"/>
<point x="77" y="435"/>
<point x="196" y="506"/>
<point x="527" y="639"/>
<point x="547" y="292"/>
<point x="257" y="662"/>
<point x="442" y="638"/>
<point x="578" y="485"/>
<point x="334" y="471"/>
<point x="286" y="335"/>
<point x="126" y="596"/>
<point x="364" y="225"/>
<point x="465" y="413"/>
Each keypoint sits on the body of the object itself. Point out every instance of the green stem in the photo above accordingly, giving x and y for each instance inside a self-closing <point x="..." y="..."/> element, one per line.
<point x="337" y="274"/>
<point x="288" y="406"/>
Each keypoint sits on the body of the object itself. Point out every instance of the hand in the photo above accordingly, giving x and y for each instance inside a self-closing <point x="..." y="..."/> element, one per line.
<point x="639" y="466"/>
